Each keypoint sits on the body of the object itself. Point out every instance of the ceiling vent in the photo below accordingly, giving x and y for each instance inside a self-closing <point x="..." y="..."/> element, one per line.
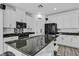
<point x="40" y="6"/>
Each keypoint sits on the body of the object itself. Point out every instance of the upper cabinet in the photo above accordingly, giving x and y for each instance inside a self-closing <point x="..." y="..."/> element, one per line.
<point x="11" y="17"/>
<point x="65" y="20"/>
<point x="56" y="19"/>
<point x="70" y="20"/>
<point x="20" y="15"/>
<point x="59" y="21"/>
<point x="52" y="19"/>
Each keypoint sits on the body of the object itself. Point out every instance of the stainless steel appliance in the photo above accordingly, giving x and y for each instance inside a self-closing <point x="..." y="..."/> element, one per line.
<point x="50" y="32"/>
<point x="50" y="28"/>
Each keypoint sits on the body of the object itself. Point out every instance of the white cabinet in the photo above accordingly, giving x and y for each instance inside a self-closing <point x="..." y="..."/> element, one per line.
<point x="64" y="40"/>
<point x="9" y="18"/>
<point x="75" y="41"/>
<point x="29" y="21"/>
<point x="39" y="27"/>
<point x="59" y="21"/>
<point x="52" y="19"/>
<point x="68" y="40"/>
<point x="70" y="20"/>
<point x="10" y="38"/>
<point x="47" y="51"/>
<point x="20" y="16"/>
<point x="66" y="20"/>
<point x="31" y="24"/>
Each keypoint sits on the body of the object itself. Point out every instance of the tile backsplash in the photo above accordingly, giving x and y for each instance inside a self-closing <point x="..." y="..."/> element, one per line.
<point x="7" y="30"/>
<point x="11" y="30"/>
<point x="76" y="30"/>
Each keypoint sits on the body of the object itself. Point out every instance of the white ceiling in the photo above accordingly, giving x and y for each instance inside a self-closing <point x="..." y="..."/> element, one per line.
<point x="48" y="7"/>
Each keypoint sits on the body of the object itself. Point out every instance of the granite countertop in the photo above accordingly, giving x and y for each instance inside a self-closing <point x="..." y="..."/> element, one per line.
<point x="15" y="34"/>
<point x="65" y="33"/>
<point x="69" y="33"/>
<point x="24" y="47"/>
<point x="27" y="33"/>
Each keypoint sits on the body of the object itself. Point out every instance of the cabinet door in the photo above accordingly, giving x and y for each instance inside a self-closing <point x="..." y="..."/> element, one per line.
<point x="12" y="19"/>
<point x="52" y="19"/>
<point x="70" y="20"/>
<point x="23" y="17"/>
<point x="9" y="20"/>
<point x="20" y="15"/>
<point x="6" y="21"/>
<point x="57" y="19"/>
<point x="60" y="21"/>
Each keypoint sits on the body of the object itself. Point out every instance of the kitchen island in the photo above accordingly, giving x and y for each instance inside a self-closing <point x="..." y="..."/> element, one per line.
<point x="36" y="45"/>
<point x="29" y="46"/>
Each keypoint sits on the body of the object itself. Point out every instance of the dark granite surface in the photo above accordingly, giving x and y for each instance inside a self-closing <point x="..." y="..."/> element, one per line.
<point x="24" y="49"/>
<point x="27" y="34"/>
<point x="66" y="33"/>
<point x="69" y="33"/>
<point x="15" y="34"/>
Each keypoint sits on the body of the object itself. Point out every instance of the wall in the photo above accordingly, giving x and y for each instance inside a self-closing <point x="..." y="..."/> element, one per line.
<point x="1" y="31"/>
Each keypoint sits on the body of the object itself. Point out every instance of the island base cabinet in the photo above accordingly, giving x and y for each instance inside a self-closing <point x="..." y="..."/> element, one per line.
<point x="69" y="40"/>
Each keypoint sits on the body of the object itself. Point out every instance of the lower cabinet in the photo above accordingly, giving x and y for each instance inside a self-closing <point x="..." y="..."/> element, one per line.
<point x="68" y="40"/>
<point x="47" y="51"/>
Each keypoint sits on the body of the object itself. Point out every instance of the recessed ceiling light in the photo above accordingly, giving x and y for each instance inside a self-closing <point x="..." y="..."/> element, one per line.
<point x="39" y="16"/>
<point x="54" y="8"/>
